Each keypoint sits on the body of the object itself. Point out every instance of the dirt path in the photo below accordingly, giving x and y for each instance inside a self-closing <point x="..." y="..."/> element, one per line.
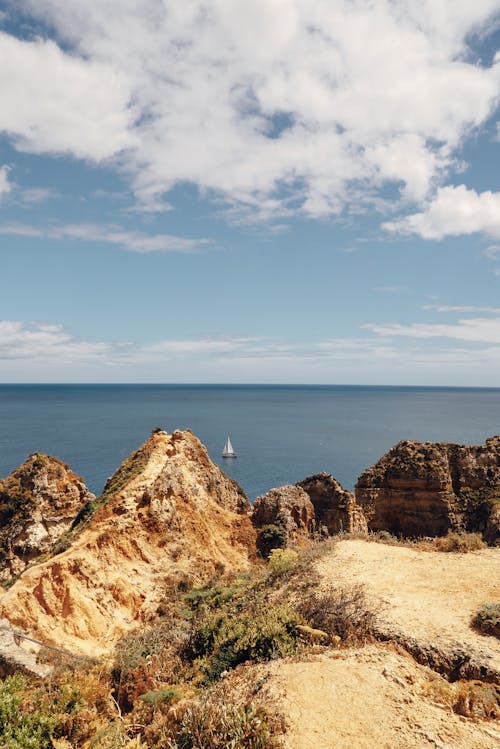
<point x="430" y="596"/>
<point x="369" y="698"/>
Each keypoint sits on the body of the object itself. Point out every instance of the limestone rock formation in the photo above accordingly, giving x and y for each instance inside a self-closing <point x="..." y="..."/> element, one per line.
<point x="286" y="506"/>
<point x="335" y="508"/>
<point x="38" y="502"/>
<point x="168" y="518"/>
<point x="429" y="488"/>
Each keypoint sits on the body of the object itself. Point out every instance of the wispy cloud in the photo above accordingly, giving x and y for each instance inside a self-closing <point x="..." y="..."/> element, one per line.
<point x="46" y="342"/>
<point x="5" y="185"/>
<point x="460" y="308"/>
<point x="130" y="240"/>
<point x="391" y="289"/>
<point x="54" y="351"/>
<point x="477" y="330"/>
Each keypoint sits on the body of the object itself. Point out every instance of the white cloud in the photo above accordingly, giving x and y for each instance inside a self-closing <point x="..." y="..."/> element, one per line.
<point x="453" y="211"/>
<point x="56" y="102"/>
<point x="474" y="330"/>
<point x="255" y="102"/>
<point x="5" y="185"/>
<point x="45" y="342"/>
<point x="130" y="240"/>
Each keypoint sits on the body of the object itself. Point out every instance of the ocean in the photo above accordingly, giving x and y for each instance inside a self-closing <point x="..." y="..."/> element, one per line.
<point x="281" y="433"/>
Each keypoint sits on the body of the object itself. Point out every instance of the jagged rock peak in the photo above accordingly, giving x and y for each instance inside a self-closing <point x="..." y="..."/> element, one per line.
<point x="38" y="503"/>
<point x="167" y="517"/>
<point x="335" y="508"/>
<point x="428" y="488"/>
<point x="286" y="506"/>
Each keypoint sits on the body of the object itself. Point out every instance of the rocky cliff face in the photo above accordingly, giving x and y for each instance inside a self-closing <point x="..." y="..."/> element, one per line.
<point x="288" y="507"/>
<point x="168" y="517"/>
<point x="428" y="488"/>
<point x="38" y="503"/>
<point x="335" y="508"/>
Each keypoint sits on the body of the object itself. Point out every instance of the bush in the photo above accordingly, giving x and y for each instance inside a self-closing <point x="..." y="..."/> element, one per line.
<point x="487" y="619"/>
<point x="223" y="640"/>
<point x="271" y="537"/>
<point x="282" y="561"/>
<point x="220" y="725"/>
<point x="345" y="612"/>
<point x="20" y="728"/>
<point x="146" y="660"/>
<point x="460" y="541"/>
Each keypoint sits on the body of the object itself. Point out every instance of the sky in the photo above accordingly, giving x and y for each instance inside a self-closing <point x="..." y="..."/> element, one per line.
<point x="275" y="191"/>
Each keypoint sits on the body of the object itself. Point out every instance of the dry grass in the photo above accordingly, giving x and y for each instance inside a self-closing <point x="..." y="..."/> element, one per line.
<point x="345" y="612"/>
<point x="460" y="541"/>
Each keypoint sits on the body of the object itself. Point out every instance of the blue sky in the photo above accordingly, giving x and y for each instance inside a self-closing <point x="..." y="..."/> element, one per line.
<point x="276" y="191"/>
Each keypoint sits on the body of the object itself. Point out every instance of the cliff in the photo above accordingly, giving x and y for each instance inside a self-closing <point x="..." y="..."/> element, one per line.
<point x="335" y="508"/>
<point x="38" y="503"/>
<point x="429" y="488"/>
<point x="167" y="518"/>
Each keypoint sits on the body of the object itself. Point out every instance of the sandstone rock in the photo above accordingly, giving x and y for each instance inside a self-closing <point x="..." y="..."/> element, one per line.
<point x="428" y="488"/>
<point x="168" y="516"/>
<point x="287" y="506"/>
<point x="335" y="508"/>
<point x="38" y="503"/>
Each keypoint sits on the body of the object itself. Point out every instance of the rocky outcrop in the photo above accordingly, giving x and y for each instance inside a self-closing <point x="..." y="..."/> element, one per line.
<point x="38" y="502"/>
<point x="429" y="488"/>
<point x="288" y="507"/>
<point x="335" y="508"/>
<point x="168" y="518"/>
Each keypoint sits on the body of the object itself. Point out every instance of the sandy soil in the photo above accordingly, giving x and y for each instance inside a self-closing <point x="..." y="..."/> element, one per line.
<point x="371" y="698"/>
<point x="431" y="596"/>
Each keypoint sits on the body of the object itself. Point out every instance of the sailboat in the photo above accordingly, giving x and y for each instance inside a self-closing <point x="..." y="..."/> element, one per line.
<point x="228" y="451"/>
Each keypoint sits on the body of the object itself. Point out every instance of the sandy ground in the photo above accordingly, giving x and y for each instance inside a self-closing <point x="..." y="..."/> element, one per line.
<point x="377" y="697"/>
<point x="431" y="596"/>
<point x="371" y="698"/>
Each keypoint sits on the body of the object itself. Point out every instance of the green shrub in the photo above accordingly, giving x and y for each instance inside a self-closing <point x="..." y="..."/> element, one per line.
<point x="270" y="537"/>
<point x="223" y="640"/>
<point x="282" y="561"/>
<point x="487" y="619"/>
<point x="460" y="541"/>
<point x="20" y="728"/>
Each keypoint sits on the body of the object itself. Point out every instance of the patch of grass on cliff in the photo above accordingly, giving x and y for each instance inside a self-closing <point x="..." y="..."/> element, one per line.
<point x="129" y="470"/>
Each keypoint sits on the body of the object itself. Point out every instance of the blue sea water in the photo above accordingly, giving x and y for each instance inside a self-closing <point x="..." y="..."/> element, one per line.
<point x="281" y="433"/>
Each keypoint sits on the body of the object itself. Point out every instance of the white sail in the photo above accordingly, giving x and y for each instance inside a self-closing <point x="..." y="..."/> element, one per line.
<point x="228" y="451"/>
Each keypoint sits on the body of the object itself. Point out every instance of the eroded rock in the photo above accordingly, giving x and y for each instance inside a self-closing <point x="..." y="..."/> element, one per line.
<point x="38" y="502"/>
<point x="335" y="508"/>
<point x="429" y="488"/>
<point x="286" y="506"/>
